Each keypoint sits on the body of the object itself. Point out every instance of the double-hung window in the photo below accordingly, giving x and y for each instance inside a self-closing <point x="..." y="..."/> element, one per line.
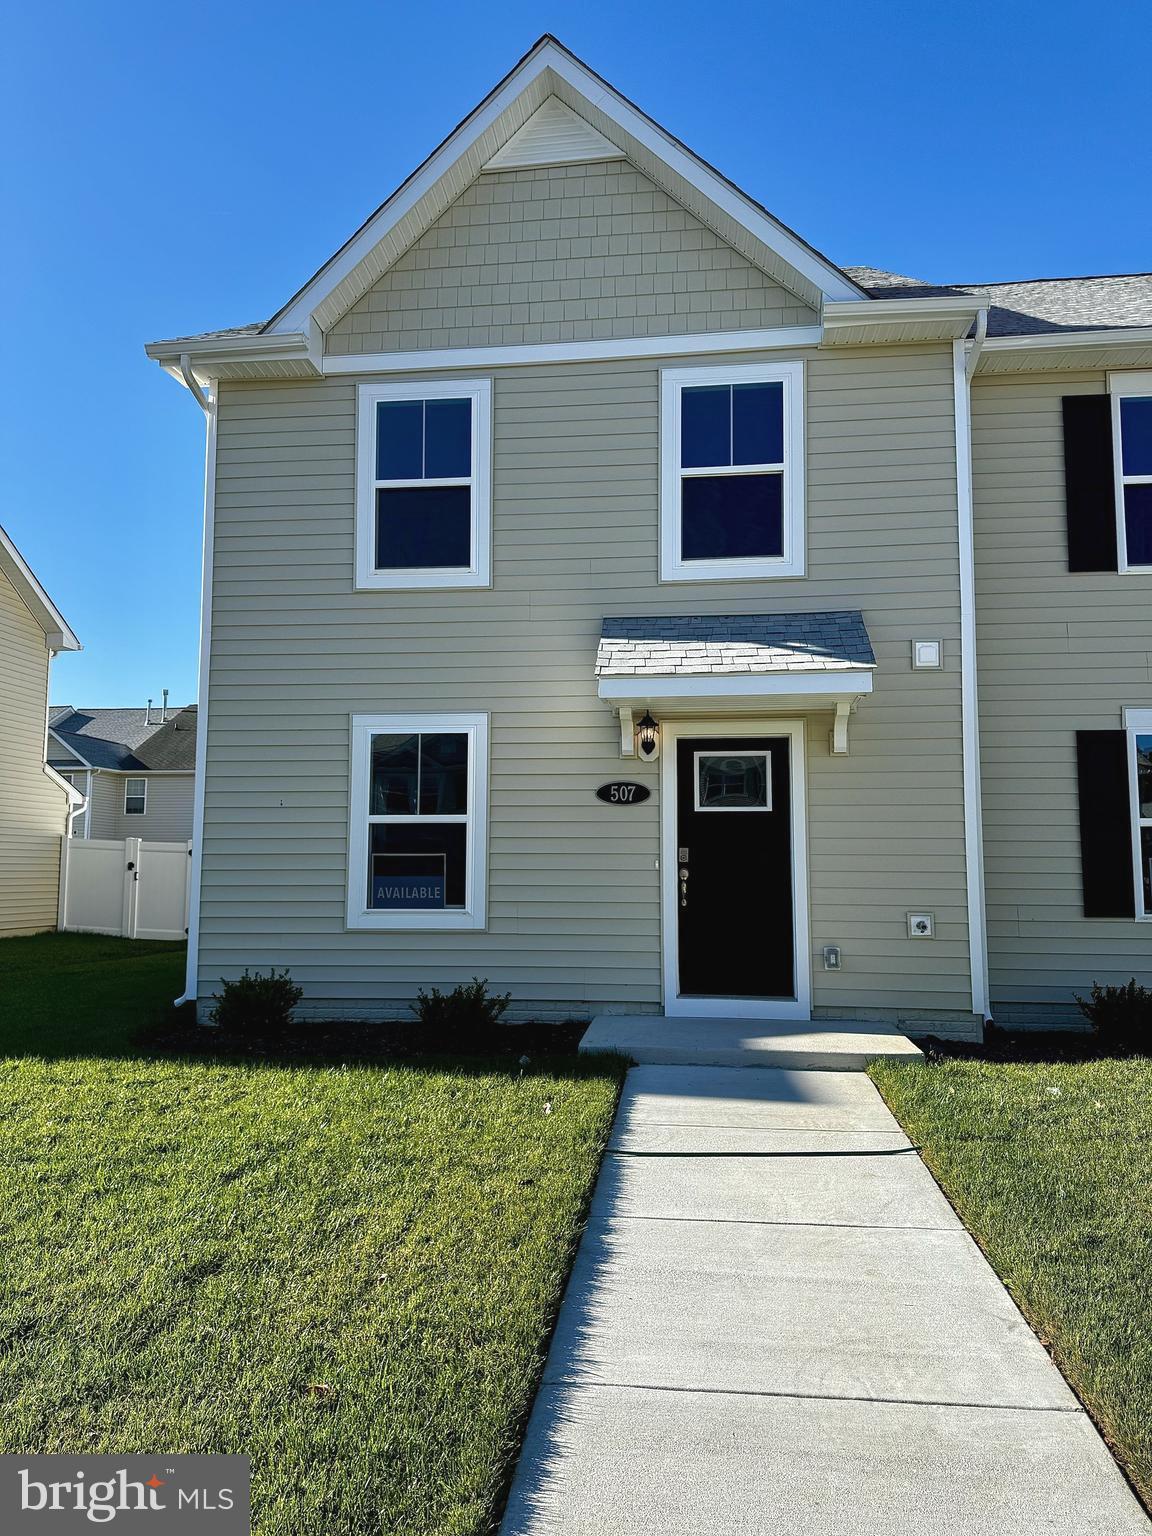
<point x="423" y="492"/>
<point x="1139" y="726"/>
<point x="1132" y="439"/>
<point x="135" y="797"/>
<point x="732" y="472"/>
<point x="419" y="811"/>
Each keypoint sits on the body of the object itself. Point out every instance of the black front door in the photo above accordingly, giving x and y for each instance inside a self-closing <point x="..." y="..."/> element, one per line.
<point x="734" y="867"/>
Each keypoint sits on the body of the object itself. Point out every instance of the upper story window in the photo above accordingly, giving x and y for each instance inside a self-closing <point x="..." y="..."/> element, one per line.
<point x="732" y="472"/>
<point x="135" y="797"/>
<point x="1132" y="429"/>
<point x="423" y="493"/>
<point x="419" y="810"/>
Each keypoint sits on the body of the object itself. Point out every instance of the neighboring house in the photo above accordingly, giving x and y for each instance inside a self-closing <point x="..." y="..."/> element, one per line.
<point x="575" y="466"/>
<point x="135" y="768"/>
<point x="35" y="802"/>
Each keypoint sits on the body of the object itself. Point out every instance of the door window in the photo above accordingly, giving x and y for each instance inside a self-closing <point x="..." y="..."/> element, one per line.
<point x="733" y="781"/>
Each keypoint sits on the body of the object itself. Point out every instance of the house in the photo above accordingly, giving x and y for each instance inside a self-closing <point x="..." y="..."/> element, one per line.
<point x="608" y="595"/>
<point x="35" y="802"/>
<point x="135" y="768"/>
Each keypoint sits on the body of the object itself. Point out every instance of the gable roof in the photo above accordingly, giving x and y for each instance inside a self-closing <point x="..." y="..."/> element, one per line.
<point x="1039" y="306"/>
<point x="551" y="101"/>
<point x="57" y="634"/>
<point x="126" y="739"/>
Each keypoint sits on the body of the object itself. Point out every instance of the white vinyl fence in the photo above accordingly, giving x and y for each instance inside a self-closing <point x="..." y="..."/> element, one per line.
<point x="131" y="888"/>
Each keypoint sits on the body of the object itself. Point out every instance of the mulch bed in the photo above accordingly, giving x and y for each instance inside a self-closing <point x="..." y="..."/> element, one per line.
<point x="328" y="1042"/>
<point x="1031" y="1045"/>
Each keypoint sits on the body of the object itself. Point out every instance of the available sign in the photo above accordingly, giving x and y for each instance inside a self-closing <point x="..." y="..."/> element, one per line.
<point x="408" y="892"/>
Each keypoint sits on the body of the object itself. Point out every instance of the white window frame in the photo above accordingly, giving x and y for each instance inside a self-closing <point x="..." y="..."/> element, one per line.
<point x="1126" y="386"/>
<point x="473" y="913"/>
<point x="479" y="570"/>
<point x="791" y="563"/>
<point x="1137" y="722"/>
<point x="732" y="810"/>
<point x="143" y="811"/>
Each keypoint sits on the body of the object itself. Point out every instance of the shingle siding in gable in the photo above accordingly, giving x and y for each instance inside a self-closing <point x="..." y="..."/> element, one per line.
<point x="564" y="253"/>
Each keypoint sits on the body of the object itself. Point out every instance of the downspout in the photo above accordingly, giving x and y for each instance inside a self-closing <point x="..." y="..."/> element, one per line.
<point x="965" y="355"/>
<point x="207" y="403"/>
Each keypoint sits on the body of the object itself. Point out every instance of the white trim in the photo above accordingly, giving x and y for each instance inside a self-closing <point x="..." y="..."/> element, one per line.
<point x="473" y="915"/>
<point x="873" y="311"/>
<point x="1137" y="722"/>
<point x="57" y="635"/>
<point x="791" y="563"/>
<point x="848" y="681"/>
<point x="136" y="778"/>
<point x="479" y="571"/>
<point x="817" y="270"/>
<point x="969" y="698"/>
<point x="1138" y="335"/>
<point x="729" y="810"/>
<point x="191" y="978"/>
<point x="1123" y="386"/>
<point x="529" y="353"/>
<point x="72" y="752"/>
<point x="553" y="135"/>
<point x="799" y="1007"/>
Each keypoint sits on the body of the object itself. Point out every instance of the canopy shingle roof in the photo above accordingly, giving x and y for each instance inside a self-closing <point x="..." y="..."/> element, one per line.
<point x="703" y="645"/>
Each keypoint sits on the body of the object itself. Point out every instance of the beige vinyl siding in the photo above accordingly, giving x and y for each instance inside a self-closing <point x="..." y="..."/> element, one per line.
<point x="106" y="799"/>
<point x="562" y="253"/>
<point x="167" y="819"/>
<point x="33" y="809"/>
<point x="1058" y="652"/>
<point x="574" y="919"/>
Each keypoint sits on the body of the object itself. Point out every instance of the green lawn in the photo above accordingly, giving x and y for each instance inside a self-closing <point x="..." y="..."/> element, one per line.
<point x="348" y="1273"/>
<point x="1050" y="1166"/>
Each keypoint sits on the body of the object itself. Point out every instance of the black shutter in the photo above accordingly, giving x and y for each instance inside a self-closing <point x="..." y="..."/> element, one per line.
<point x="1089" y="483"/>
<point x="1105" y="823"/>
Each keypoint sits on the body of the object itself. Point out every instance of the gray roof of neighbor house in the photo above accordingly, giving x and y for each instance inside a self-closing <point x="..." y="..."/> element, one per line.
<point x="127" y="739"/>
<point x="1039" y="306"/>
<point x="689" y="645"/>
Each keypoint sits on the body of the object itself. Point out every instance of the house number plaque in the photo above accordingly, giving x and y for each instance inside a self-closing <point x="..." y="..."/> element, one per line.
<point x="623" y="792"/>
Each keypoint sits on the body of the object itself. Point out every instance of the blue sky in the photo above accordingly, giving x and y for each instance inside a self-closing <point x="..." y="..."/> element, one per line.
<point x="169" y="169"/>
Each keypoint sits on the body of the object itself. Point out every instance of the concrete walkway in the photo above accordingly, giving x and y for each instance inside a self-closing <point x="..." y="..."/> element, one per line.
<point x="776" y="1326"/>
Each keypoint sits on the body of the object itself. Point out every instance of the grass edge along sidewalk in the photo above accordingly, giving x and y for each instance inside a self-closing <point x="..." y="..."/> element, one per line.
<point x="348" y="1272"/>
<point x="1049" y="1165"/>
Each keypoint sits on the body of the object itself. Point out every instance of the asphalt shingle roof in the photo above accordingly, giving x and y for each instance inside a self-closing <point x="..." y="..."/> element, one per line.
<point x="691" y="645"/>
<point x="128" y="739"/>
<point x="1039" y="306"/>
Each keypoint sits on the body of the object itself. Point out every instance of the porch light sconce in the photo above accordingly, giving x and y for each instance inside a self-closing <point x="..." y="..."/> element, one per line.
<point x="648" y="737"/>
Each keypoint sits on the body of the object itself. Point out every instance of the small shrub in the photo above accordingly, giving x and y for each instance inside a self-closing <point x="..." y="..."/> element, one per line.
<point x="256" y="1005"/>
<point x="466" y="1009"/>
<point x="1119" y="1015"/>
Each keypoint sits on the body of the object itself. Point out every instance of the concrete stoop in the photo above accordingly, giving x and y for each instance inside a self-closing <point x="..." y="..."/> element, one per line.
<point x="800" y="1044"/>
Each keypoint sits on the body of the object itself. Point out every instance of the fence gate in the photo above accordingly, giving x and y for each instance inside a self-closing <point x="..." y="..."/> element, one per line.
<point x="130" y="888"/>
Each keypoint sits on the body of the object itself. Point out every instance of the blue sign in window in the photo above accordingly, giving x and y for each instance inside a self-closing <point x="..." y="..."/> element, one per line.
<point x="408" y="892"/>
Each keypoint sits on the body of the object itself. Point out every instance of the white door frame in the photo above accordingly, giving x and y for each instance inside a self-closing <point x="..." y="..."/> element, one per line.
<point x="800" y="1006"/>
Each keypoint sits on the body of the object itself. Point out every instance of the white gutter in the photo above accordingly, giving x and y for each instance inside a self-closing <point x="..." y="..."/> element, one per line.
<point x="208" y="405"/>
<point x="964" y="358"/>
<point x="1136" y="335"/>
